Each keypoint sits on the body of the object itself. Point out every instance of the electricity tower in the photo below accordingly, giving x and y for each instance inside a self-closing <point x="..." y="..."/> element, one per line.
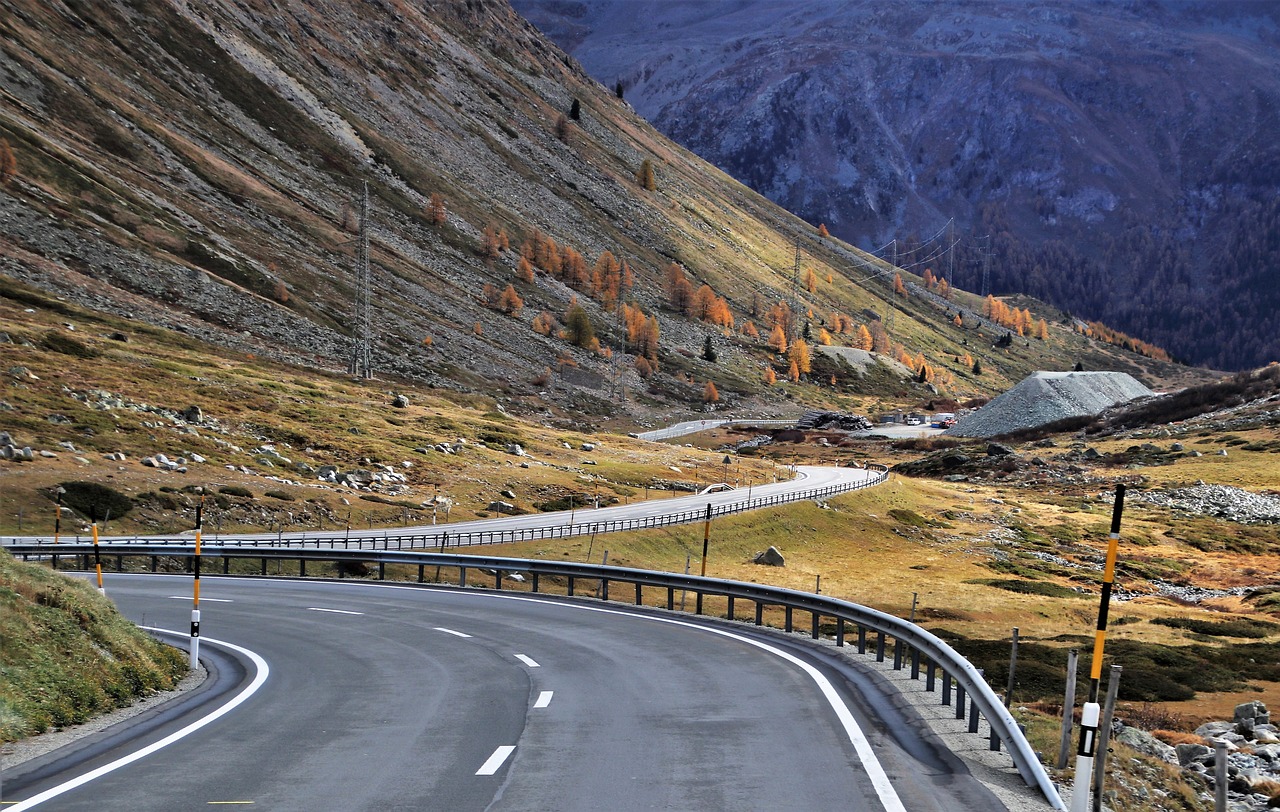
<point x="361" y="339"/>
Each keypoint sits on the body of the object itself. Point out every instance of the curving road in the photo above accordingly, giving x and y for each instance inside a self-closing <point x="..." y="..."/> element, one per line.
<point x="383" y="697"/>
<point x="576" y="522"/>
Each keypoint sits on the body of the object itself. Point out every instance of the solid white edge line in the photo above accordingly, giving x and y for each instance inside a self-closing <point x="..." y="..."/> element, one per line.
<point x="544" y="699"/>
<point x="332" y="611"/>
<point x="258" y="680"/>
<point x="527" y="661"/>
<point x="452" y="632"/>
<point x="495" y="761"/>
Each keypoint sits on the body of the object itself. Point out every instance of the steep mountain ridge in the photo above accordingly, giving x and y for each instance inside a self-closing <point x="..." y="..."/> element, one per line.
<point x="200" y="166"/>
<point x="1113" y="158"/>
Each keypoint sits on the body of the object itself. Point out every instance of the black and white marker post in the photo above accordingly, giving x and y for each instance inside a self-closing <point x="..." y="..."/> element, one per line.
<point x="1091" y="711"/>
<point x="195" y="588"/>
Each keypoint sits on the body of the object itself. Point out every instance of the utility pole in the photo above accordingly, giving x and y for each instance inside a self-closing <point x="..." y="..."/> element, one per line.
<point x="986" y="266"/>
<point x="361" y="352"/>
<point x="892" y="307"/>
<point x="795" y="294"/>
<point x="951" y="251"/>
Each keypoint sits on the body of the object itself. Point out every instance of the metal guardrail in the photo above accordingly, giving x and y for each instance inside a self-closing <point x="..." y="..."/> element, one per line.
<point x="912" y="646"/>
<point x="695" y="426"/>
<point x="443" y="539"/>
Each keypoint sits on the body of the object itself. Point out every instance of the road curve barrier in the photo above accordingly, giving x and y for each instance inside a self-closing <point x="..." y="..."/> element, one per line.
<point x="957" y="681"/>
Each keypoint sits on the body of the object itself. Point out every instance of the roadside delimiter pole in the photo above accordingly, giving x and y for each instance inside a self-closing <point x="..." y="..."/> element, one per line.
<point x="1091" y="711"/>
<point x="97" y="557"/>
<point x="706" y="538"/>
<point x="195" y="586"/>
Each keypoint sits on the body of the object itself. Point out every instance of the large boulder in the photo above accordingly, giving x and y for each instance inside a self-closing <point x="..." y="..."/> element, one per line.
<point x="1146" y="744"/>
<point x="770" y="558"/>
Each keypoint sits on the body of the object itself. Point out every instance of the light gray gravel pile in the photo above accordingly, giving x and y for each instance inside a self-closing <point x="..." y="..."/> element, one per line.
<point x="1045" y="397"/>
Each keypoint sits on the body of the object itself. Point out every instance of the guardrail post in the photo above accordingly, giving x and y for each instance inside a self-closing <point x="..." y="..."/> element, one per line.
<point x="840" y="632"/>
<point x="639" y="596"/>
<point x="946" y="688"/>
<point x="671" y="599"/>
<point x="226" y="564"/>
<point x="815" y="625"/>
<point x="421" y="574"/>
<point x="929" y="676"/>
<point x="264" y="566"/>
<point x="497" y="580"/>
<point x="759" y="613"/>
<point x="119" y="563"/>
<point x="879" y="647"/>
<point x="382" y="570"/>
<point x="897" y="654"/>
<point x="462" y="577"/>
<point x="302" y="568"/>
<point x="155" y="563"/>
<point x="960" y="707"/>
<point x="915" y="663"/>
<point x="534" y="586"/>
<point x="787" y="627"/>
<point x="862" y="639"/>
<point x="570" y="586"/>
<point x="973" y="715"/>
<point x="731" y="607"/>
<point x="604" y="589"/>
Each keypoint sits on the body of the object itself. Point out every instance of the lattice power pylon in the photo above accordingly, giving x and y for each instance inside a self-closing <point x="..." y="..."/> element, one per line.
<point x="362" y="337"/>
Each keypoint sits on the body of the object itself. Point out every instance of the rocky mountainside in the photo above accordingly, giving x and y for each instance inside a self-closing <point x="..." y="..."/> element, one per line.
<point x="201" y="166"/>
<point x="1114" y="158"/>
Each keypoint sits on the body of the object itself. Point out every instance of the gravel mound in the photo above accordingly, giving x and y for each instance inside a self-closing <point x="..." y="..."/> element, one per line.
<point x="1048" y="396"/>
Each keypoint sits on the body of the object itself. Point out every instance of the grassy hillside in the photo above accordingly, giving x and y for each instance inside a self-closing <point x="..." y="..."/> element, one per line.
<point x="66" y="655"/>
<point x="201" y="168"/>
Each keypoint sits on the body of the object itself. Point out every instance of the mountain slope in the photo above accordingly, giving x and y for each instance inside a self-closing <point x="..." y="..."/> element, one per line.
<point x="199" y="165"/>
<point x="1120" y="156"/>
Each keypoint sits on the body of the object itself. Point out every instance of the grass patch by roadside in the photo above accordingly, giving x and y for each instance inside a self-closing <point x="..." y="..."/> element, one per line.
<point x="68" y="654"/>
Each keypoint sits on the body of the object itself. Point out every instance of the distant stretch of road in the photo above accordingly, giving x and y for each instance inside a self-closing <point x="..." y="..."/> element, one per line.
<point x="695" y="426"/>
<point x="582" y="518"/>
<point x="382" y="697"/>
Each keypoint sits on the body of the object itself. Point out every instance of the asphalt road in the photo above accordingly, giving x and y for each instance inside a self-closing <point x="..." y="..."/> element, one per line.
<point x="581" y="519"/>
<point x="379" y="697"/>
